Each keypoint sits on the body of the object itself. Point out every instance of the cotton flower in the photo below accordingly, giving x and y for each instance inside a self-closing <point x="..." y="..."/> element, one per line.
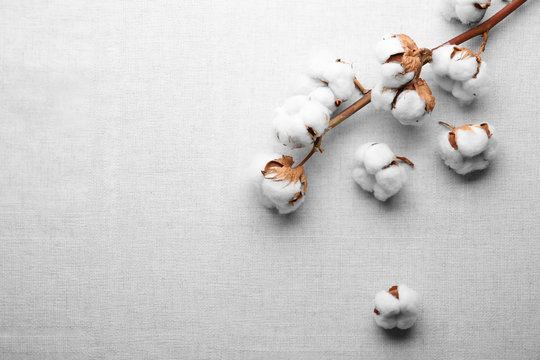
<point x="376" y="170"/>
<point x="400" y="59"/>
<point x="413" y="102"/>
<point x="467" y="148"/>
<point x="466" y="11"/>
<point x="398" y="307"/>
<point x="277" y="184"/>
<point x="382" y="97"/>
<point x="459" y="71"/>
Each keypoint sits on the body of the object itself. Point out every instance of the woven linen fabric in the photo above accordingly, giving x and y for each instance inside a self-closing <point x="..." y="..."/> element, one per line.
<point x="127" y="232"/>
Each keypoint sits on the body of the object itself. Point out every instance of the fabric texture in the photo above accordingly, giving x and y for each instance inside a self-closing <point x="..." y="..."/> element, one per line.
<point x="126" y="231"/>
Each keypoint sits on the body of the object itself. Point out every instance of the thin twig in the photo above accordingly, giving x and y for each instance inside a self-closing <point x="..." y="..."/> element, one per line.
<point x="484" y="42"/>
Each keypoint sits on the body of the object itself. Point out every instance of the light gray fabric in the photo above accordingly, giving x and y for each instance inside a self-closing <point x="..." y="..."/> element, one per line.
<point x="127" y="233"/>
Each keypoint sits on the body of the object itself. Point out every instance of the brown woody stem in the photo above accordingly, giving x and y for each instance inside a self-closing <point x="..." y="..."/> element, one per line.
<point x="360" y="87"/>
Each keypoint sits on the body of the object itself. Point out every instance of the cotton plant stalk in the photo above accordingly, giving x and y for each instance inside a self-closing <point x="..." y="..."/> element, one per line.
<point x="303" y="120"/>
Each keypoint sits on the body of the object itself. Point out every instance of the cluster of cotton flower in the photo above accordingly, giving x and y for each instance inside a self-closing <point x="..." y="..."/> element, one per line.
<point x="467" y="148"/>
<point x="400" y="90"/>
<point x="459" y="71"/>
<point x="304" y="117"/>
<point x="397" y="307"/>
<point x="278" y="185"/>
<point x="466" y="11"/>
<point x="376" y="170"/>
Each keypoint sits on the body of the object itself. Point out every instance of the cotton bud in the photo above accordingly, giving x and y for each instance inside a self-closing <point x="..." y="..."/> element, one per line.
<point x="467" y="148"/>
<point x="398" y="307"/>
<point x="466" y="11"/>
<point x="277" y="184"/>
<point x="413" y="102"/>
<point x="376" y="170"/>
<point x="400" y="58"/>
<point x="336" y="73"/>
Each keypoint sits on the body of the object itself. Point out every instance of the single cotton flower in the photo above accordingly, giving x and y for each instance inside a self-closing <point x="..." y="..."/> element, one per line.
<point x="466" y="11"/>
<point x="401" y="60"/>
<point x="277" y="184"/>
<point x="382" y="97"/>
<point x="467" y="148"/>
<point x="376" y="170"/>
<point x="398" y="307"/>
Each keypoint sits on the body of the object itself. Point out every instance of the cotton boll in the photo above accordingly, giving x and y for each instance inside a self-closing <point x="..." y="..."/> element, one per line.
<point x="444" y="82"/>
<point x="388" y="46"/>
<point x="470" y="11"/>
<point x="471" y="141"/>
<point x="398" y="307"/>
<point x="340" y="78"/>
<point x="463" y="65"/>
<point x="291" y="130"/>
<point x="280" y="193"/>
<point x="468" y="148"/>
<point x="325" y="97"/>
<point x="440" y="63"/>
<point x="393" y="75"/>
<point x="315" y="116"/>
<point x="389" y="181"/>
<point x="362" y="178"/>
<point x="382" y="97"/>
<point x="282" y="185"/>
<point x="376" y="157"/>
<point x="409" y="108"/>
<point x="478" y="84"/>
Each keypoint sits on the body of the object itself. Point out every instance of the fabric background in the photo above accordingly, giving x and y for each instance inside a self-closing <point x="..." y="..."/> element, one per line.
<point x="126" y="231"/>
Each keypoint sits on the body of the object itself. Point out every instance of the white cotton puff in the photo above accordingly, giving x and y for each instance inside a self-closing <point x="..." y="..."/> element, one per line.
<point x="393" y="75"/>
<point x="293" y="104"/>
<point x="325" y="97"/>
<point x="448" y="9"/>
<point x="315" y="116"/>
<point x="401" y="312"/>
<point x="377" y="156"/>
<point x="474" y="151"/>
<point x="467" y="12"/>
<point x="478" y="85"/>
<point x="462" y="66"/>
<point x="444" y="82"/>
<point x="291" y="130"/>
<point x="389" y="181"/>
<point x="441" y="59"/>
<point x="340" y="78"/>
<point x="319" y="62"/>
<point x="279" y="193"/>
<point x="388" y="46"/>
<point x="409" y="108"/>
<point x="382" y="98"/>
<point x="374" y="172"/>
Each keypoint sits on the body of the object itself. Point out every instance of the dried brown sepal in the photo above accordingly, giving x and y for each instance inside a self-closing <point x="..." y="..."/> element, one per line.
<point x="423" y="90"/>
<point x="338" y="102"/>
<point x="405" y="160"/>
<point x="393" y="163"/>
<point x="311" y="132"/>
<point x="394" y="291"/>
<point x="376" y="311"/>
<point x="282" y="170"/>
<point x="482" y="6"/>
